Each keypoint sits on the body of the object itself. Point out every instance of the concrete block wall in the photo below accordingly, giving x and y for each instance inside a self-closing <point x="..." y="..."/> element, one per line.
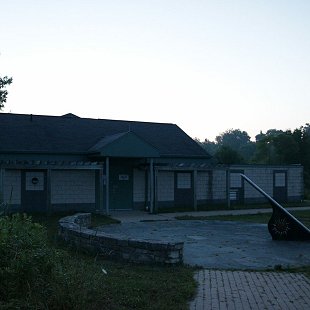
<point x="75" y="231"/>
<point x="263" y="177"/>
<point x="219" y="185"/>
<point x="296" y="182"/>
<point x="12" y="187"/>
<point x="165" y="186"/>
<point x="73" y="186"/>
<point x="203" y="185"/>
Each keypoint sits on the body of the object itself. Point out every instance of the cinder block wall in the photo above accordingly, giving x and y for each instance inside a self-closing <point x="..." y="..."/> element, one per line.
<point x="12" y="187"/>
<point x="219" y="186"/>
<point x="72" y="187"/>
<point x="165" y="186"/>
<point x="263" y="177"/>
<point x="296" y="183"/>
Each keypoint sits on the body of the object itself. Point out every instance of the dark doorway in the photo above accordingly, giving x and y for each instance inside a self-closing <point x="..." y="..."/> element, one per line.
<point x="34" y="191"/>
<point x="280" y="186"/>
<point x="236" y="190"/>
<point x="184" y="192"/>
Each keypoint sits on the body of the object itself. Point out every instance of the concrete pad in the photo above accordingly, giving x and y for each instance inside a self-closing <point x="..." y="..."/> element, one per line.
<point x="221" y="245"/>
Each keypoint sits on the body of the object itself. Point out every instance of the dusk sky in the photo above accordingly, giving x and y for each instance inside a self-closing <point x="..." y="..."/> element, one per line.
<point x="206" y="66"/>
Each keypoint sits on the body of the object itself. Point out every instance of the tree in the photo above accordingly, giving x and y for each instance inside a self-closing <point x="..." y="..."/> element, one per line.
<point x="3" y="92"/>
<point x="238" y="141"/>
<point x="210" y="146"/>
<point x="226" y="155"/>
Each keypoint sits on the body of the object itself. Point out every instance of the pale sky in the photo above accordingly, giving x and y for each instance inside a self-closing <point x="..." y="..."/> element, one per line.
<point x="206" y="66"/>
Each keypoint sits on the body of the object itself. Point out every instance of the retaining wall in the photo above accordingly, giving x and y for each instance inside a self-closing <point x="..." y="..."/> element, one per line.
<point x="76" y="231"/>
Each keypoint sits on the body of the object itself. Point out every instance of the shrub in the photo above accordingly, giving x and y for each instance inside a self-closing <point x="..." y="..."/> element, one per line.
<point x="26" y="260"/>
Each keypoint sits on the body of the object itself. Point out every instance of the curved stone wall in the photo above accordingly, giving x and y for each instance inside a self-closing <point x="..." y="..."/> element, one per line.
<point x="76" y="231"/>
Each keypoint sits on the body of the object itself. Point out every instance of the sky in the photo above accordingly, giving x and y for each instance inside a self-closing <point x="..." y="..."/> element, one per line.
<point x="207" y="66"/>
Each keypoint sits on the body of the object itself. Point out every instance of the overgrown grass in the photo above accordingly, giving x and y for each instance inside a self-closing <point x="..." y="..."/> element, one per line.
<point x="78" y="281"/>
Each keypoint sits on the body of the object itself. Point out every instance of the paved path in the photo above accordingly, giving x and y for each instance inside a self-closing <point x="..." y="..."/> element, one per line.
<point x="242" y="290"/>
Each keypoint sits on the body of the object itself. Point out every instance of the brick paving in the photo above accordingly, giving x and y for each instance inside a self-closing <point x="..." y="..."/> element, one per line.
<point x="244" y="290"/>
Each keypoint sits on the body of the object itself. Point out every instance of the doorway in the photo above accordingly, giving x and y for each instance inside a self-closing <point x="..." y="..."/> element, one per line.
<point x="34" y="191"/>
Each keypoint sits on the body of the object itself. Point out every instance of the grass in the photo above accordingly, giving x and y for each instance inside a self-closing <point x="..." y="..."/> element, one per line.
<point x="103" y="284"/>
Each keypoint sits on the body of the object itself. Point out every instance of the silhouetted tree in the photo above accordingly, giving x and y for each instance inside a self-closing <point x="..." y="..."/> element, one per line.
<point x="3" y="92"/>
<point x="210" y="146"/>
<point x="226" y="155"/>
<point x="239" y="141"/>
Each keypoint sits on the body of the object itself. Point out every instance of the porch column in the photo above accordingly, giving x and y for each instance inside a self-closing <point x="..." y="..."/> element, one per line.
<point x="195" y="189"/>
<point x="48" y="191"/>
<point x="100" y="190"/>
<point x="107" y="182"/>
<point x="151" y="185"/>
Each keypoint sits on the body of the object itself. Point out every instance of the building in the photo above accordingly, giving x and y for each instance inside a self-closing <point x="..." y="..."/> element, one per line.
<point x="62" y="163"/>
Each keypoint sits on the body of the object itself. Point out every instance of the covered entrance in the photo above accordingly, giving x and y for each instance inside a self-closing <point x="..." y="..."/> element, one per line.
<point x="121" y="154"/>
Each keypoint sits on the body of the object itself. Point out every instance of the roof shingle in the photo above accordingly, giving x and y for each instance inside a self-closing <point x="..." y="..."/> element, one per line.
<point x="68" y="134"/>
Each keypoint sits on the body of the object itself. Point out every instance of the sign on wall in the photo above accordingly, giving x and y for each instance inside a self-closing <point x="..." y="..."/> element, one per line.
<point x="123" y="177"/>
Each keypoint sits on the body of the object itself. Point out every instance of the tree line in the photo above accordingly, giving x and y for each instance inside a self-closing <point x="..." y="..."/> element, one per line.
<point x="275" y="147"/>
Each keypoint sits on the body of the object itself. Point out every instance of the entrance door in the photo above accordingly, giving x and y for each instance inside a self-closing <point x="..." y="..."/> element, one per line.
<point x="34" y="193"/>
<point x="236" y="191"/>
<point x="184" y="192"/>
<point x="280" y="186"/>
<point x="121" y="186"/>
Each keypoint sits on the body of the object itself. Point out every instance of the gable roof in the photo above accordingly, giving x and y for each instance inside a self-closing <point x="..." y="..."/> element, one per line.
<point x="126" y="144"/>
<point x="72" y="134"/>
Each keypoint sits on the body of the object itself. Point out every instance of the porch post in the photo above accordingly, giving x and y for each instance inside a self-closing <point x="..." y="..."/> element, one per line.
<point x="100" y="190"/>
<point x="107" y="181"/>
<point x="195" y="189"/>
<point x="48" y="191"/>
<point x="151" y="185"/>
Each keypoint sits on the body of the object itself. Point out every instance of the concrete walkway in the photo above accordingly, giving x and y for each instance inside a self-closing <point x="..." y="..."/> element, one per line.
<point x="243" y="290"/>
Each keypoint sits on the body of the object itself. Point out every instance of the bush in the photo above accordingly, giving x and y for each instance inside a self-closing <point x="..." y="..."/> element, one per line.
<point x="26" y="260"/>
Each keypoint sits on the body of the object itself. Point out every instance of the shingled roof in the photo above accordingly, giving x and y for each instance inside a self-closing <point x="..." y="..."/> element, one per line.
<point x="72" y="134"/>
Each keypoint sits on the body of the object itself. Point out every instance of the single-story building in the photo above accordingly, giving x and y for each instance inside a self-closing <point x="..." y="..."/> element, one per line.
<point x="59" y="163"/>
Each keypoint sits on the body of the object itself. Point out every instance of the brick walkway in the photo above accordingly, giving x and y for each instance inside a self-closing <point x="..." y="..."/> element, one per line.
<point x="219" y="289"/>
